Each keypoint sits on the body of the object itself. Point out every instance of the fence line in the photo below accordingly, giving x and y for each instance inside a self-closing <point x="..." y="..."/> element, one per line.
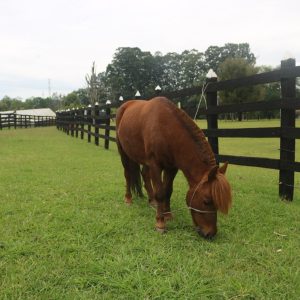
<point x="88" y="121"/>
<point x="96" y="117"/>
<point x="13" y="120"/>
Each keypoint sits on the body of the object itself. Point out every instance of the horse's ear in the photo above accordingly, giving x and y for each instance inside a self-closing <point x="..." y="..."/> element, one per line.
<point x="212" y="173"/>
<point x="223" y="168"/>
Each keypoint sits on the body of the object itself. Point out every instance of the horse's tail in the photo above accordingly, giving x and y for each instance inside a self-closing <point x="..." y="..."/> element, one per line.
<point x="133" y="172"/>
<point x="132" y="169"/>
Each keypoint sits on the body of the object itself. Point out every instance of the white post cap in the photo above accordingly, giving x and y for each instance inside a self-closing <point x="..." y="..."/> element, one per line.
<point x="288" y="55"/>
<point x="137" y="94"/>
<point x="211" y="74"/>
<point x="121" y="98"/>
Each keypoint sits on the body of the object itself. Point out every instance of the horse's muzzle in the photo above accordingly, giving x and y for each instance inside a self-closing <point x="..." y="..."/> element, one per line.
<point x="208" y="235"/>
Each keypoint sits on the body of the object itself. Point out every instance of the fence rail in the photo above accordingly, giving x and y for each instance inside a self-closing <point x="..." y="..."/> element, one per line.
<point x="89" y="120"/>
<point x="13" y="120"/>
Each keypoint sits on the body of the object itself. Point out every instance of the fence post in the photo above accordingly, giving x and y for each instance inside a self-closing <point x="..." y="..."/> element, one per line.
<point x="0" y="123"/>
<point x="61" y="121"/>
<point x="72" y="120"/>
<point x="57" y="120"/>
<point x="82" y="123"/>
<point x="15" y="121"/>
<point x="287" y="145"/>
<point x="89" y="120"/>
<point x="96" y="123"/>
<point x="76" y="118"/>
<point x="107" y="126"/>
<point x="68" y="121"/>
<point x="212" y="120"/>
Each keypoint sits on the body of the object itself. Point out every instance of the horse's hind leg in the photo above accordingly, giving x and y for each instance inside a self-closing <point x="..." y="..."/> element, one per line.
<point x="125" y="162"/>
<point x="168" y="178"/>
<point x="148" y="185"/>
<point x="159" y="196"/>
<point x="128" y="195"/>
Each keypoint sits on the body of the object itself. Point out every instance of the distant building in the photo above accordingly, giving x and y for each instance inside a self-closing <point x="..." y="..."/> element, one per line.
<point x="41" y="112"/>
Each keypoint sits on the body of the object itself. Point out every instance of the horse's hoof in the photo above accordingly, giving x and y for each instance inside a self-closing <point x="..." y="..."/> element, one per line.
<point x="168" y="216"/>
<point x="128" y="201"/>
<point x="153" y="203"/>
<point x="160" y="230"/>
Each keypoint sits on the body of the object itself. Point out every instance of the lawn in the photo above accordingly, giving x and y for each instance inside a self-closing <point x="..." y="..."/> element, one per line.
<point x="65" y="232"/>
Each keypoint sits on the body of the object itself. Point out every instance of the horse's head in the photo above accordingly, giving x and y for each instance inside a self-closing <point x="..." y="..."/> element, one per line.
<point x="213" y="193"/>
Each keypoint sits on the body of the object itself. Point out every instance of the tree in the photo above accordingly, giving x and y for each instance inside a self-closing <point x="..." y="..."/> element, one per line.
<point x="235" y="68"/>
<point x="93" y="85"/>
<point x="131" y="70"/>
<point x="215" y="56"/>
<point x="8" y="103"/>
<point x="82" y="96"/>
<point x="71" y="100"/>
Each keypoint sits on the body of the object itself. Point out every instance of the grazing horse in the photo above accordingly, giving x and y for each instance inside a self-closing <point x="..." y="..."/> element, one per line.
<point x="164" y="139"/>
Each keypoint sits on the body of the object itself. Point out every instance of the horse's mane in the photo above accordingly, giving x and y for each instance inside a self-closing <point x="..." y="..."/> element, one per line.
<point x="221" y="193"/>
<point x="195" y="133"/>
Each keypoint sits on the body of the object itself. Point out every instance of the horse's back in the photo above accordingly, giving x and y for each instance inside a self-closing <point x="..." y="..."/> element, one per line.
<point x="142" y="127"/>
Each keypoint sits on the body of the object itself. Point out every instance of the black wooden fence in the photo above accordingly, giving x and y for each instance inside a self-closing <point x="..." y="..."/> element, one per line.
<point x="13" y="120"/>
<point x="90" y="120"/>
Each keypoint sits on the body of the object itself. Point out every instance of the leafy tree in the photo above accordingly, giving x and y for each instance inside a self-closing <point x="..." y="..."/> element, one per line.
<point x="131" y="70"/>
<point x="235" y="68"/>
<point x="8" y="103"/>
<point x="82" y="97"/>
<point x="71" y="100"/>
<point x="214" y="55"/>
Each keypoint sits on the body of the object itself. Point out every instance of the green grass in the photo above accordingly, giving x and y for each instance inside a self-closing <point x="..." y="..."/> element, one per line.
<point x="65" y="232"/>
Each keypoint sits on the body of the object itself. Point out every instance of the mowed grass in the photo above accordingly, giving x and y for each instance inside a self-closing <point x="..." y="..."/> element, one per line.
<point x="65" y="232"/>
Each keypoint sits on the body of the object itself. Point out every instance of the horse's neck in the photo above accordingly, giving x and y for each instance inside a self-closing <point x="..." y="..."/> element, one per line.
<point x="193" y="168"/>
<point x="194" y="155"/>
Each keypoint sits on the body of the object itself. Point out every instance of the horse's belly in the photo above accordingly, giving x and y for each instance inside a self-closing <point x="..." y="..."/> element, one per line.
<point x="132" y="145"/>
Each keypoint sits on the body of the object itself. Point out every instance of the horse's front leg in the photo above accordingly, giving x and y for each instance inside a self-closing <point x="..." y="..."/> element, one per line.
<point x="159" y="196"/>
<point x="169" y="175"/>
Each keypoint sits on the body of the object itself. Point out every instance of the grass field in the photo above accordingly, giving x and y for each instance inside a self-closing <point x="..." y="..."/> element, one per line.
<point x="66" y="234"/>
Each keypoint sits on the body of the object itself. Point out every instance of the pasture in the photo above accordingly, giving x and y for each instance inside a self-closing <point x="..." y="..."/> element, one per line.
<point x="65" y="232"/>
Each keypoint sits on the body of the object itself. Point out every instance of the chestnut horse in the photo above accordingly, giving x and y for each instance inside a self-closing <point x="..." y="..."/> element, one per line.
<point x="162" y="138"/>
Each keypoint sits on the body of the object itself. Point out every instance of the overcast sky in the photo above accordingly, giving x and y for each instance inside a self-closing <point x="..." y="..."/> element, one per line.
<point x="59" y="39"/>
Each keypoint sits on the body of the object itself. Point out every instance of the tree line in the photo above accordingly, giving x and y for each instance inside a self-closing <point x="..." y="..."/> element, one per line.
<point x="132" y="70"/>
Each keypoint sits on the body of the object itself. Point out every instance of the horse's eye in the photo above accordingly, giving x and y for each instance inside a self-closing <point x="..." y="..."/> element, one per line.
<point x="207" y="202"/>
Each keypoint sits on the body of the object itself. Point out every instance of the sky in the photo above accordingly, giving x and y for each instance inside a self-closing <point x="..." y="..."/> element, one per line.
<point x="57" y="41"/>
